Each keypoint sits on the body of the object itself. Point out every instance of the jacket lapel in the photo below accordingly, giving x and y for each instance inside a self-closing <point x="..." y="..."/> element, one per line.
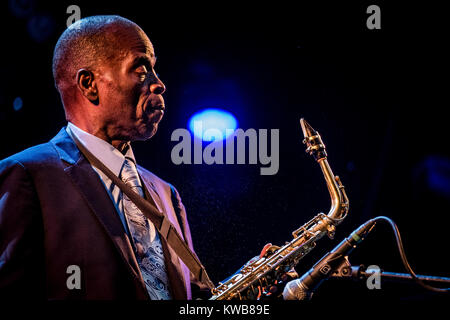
<point x="173" y="264"/>
<point x="98" y="200"/>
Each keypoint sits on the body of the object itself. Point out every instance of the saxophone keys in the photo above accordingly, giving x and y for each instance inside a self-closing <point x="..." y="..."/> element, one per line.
<point x="331" y="230"/>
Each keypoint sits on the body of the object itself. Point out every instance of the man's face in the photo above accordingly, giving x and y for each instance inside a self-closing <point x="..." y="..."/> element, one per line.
<point x="130" y="93"/>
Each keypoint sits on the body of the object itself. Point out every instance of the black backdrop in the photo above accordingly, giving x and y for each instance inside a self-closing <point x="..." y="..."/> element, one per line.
<point x="376" y="96"/>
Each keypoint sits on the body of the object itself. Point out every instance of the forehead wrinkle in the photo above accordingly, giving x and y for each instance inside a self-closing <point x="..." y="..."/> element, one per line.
<point x="142" y="48"/>
<point x="133" y="43"/>
<point x="132" y="38"/>
<point x="142" y="43"/>
<point x="137" y="48"/>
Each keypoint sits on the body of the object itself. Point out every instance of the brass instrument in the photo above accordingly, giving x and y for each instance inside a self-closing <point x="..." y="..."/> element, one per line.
<point x="258" y="276"/>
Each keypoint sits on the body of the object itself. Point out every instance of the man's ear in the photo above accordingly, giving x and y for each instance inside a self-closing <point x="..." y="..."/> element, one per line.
<point x="88" y="85"/>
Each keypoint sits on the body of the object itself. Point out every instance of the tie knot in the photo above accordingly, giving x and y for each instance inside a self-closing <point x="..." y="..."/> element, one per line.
<point x="129" y="173"/>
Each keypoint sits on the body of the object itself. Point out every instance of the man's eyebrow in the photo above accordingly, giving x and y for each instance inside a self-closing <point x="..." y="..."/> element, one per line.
<point x="145" y="60"/>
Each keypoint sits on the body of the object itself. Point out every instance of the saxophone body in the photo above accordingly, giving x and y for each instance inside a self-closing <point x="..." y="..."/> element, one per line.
<point x="255" y="279"/>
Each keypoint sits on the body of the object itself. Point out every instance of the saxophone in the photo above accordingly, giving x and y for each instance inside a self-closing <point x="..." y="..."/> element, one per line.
<point x="257" y="277"/>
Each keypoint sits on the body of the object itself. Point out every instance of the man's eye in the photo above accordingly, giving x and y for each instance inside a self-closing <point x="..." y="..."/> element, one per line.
<point x="142" y="72"/>
<point x="141" y="69"/>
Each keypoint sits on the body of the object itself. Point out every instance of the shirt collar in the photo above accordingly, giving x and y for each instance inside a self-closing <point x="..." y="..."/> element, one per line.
<point x="112" y="158"/>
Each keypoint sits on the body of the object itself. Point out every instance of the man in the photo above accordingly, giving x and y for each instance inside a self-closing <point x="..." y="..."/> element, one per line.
<point x="67" y="231"/>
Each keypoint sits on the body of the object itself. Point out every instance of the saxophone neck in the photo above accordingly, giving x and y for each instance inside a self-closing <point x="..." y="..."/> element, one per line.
<point x="339" y="200"/>
<point x="316" y="148"/>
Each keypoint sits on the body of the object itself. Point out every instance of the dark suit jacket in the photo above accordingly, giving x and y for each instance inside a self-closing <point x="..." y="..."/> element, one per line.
<point x="55" y="212"/>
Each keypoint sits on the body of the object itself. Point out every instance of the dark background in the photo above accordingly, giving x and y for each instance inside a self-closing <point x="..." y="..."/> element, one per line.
<point x="376" y="96"/>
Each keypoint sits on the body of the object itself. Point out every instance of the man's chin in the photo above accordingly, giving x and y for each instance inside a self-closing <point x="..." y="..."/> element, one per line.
<point x="147" y="132"/>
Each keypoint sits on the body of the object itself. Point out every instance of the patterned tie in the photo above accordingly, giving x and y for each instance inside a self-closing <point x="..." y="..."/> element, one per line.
<point x="148" y="249"/>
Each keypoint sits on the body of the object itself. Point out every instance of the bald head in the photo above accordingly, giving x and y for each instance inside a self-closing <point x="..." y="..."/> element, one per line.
<point x="88" y="43"/>
<point x="103" y="68"/>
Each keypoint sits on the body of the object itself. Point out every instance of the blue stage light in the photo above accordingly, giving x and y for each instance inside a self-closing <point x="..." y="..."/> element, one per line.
<point x="17" y="104"/>
<point x="217" y="119"/>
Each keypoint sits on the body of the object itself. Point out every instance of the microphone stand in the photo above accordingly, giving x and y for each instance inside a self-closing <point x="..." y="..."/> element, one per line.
<point x="335" y="264"/>
<point x="346" y="271"/>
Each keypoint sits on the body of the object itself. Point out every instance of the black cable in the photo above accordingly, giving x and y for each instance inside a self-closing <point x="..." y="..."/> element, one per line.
<point x="403" y="256"/>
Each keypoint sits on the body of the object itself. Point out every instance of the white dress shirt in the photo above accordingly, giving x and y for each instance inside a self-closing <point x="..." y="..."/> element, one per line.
<point x="113" y="159"/>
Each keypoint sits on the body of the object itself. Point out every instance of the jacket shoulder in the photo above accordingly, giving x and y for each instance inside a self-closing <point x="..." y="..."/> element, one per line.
<point x="33" y="156"/>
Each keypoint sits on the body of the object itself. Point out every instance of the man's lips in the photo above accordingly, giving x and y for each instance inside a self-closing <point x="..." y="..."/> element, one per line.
<point x="158" y="107"/>
<point x="153" y="104"/>
<point x="151" y="109"/>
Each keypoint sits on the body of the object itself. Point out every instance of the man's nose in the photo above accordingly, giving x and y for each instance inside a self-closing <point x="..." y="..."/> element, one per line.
<point x="157" y="87"/>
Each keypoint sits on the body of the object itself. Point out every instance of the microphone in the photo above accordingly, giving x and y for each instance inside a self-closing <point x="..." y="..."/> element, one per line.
<point x="303" y="288"/>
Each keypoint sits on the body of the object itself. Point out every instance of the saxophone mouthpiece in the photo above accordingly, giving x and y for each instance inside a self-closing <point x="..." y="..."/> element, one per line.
<point x="313" y="141"/>
<point x="308" y="131"/>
